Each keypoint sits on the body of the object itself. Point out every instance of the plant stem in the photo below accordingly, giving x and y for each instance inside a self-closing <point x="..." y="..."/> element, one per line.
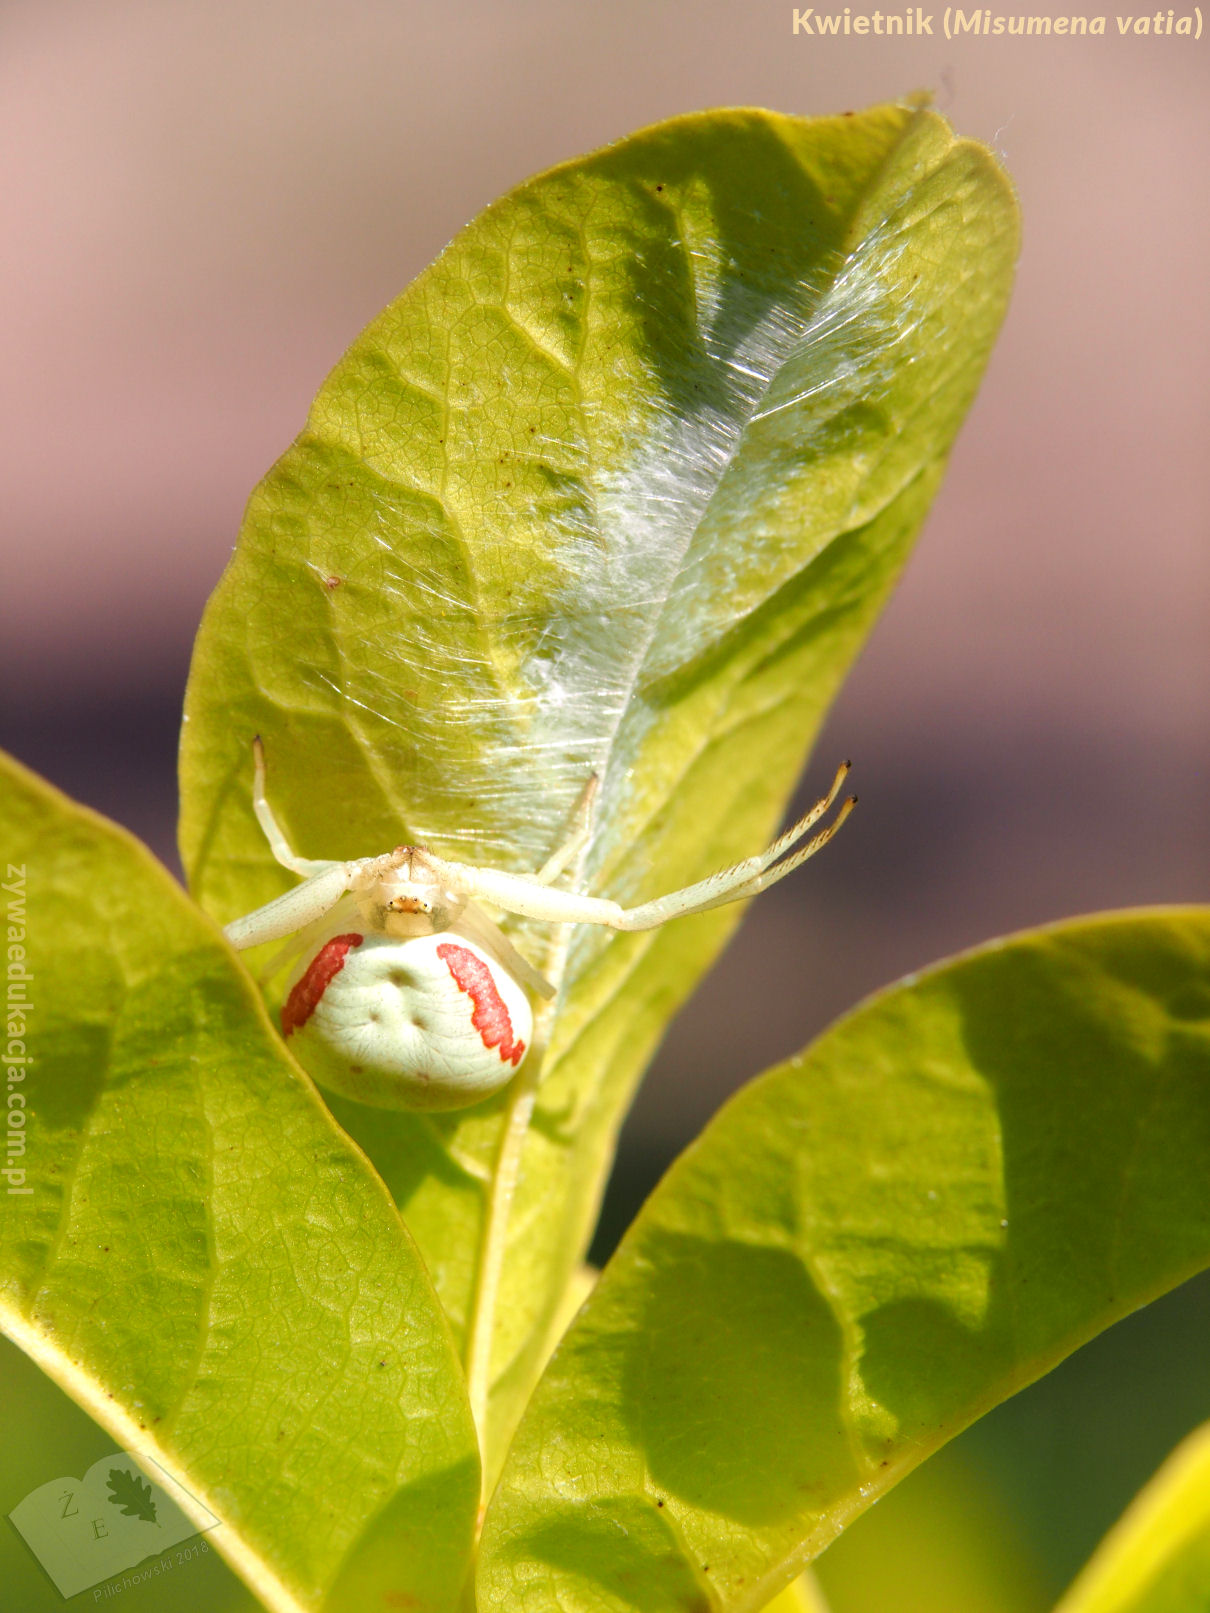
<point x="522" y="1097"/>
<point x="495" y="1239"/>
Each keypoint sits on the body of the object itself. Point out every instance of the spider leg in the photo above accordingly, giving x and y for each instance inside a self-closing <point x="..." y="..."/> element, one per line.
<point x="475" y="925"/>
<point x="278" y="843"/>
<point x="310" y="935"/>
<point x="293" y="911"/>
<point x="745" y="878"/>
<point x="796" y="830"/>
<point x="699" y="899"/>
<point x="515" y="893"/>
<point x="580" y="827"/>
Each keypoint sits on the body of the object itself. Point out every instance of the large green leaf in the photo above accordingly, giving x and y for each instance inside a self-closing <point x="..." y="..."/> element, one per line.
<point x="1156" y="1559"/>
<point x="194" y="1250"/>
<point x="617" y="485"/>
<point x="867" y="1248"/>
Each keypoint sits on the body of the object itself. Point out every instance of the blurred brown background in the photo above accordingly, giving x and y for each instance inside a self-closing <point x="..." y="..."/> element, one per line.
<point x="203" y="203"/>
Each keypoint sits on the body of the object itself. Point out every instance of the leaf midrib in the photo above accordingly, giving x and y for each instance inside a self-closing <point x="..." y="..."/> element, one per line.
<point x="504" y="1177"/>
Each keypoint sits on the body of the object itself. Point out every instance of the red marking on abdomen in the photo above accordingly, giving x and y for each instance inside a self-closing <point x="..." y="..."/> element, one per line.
<point x="311" y="985"/>
<point x="490" y="1016"/>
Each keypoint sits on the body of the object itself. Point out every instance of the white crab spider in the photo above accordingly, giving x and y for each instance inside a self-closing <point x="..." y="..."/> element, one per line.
<point x="406" y="995"/>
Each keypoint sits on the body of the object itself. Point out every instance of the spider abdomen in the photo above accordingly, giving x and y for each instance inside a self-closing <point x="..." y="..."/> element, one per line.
<point x="430" y="1022"/>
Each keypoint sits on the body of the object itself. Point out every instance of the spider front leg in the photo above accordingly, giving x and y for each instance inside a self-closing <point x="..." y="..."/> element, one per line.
<point x="294" y="911"/>
<point x="531" y="899"/>
<point x="579" y="830"/>
<point x="324" y="883"/>
<point x="745" y="879"/>
<point x="278" y="844"/>
<point x="473" y="922"/>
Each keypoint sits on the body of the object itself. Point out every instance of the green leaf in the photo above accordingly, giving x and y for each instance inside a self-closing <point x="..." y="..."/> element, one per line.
<point x="1156" y="1559"/>
<point x="194" y="1250"/>
<point x="869" y="1247"/>
<point x="618" y="485"/>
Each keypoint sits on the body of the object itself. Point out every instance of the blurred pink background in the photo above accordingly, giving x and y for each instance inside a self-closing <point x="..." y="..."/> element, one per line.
<point x="203" y="204"/>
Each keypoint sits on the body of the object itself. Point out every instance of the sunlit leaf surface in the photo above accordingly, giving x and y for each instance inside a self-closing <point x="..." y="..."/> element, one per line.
<point x="867" y="1248"/>
<point x="618" y="485"/>
<point x="196" y="1252"/>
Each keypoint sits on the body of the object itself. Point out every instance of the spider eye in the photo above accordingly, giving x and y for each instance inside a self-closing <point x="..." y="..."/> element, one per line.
<point x="409" y="904"/>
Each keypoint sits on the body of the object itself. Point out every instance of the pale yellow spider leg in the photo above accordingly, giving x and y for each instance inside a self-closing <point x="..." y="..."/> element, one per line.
<point x="580" y="827"/>
<point x="796" y="830"/>
<point x="309" y="936"/>
<point x="278" y="844"/>
<point x="743" y="879"/>
<point x="287" y="914"/>
<point x="475" y="925"/>
<point x="758" y="882"/>
<point x="515" y="893"/>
